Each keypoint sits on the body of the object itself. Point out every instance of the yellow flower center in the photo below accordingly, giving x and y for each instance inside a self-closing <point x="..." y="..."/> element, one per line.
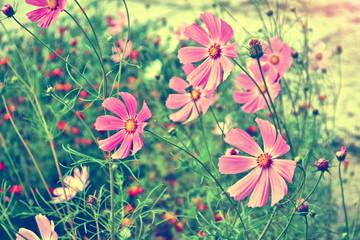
<point x="130" y="125"/>
<point x="262" y="88"/>
<point x="318" y="56"/>
<point x="195" y="95"/>
<point x="274" y="60"/>
<point x="264" y="160"/>
<point x="214" y="51"/>
<point x="53" y="4"/>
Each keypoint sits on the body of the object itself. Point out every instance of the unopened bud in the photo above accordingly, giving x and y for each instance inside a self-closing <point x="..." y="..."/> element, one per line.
<point x="322" y="164"/>
<point x="172" y="131"/>
<point x="255" y="49"/>
<point x="298" y="159"/>
<point x="49" y="90"/>
<point x="304" y="208"/>
<point x="114" y="167"/>
<point x="315" y="112"/>
<point x="109" y="38"/>
<point x="269" y="13"/>
<point x="338" y="49"/>
<point x="312" y="213"/>
<point x="294" y="54"/>
<point x="341" y="155"/>
<point x="8" y="10"/>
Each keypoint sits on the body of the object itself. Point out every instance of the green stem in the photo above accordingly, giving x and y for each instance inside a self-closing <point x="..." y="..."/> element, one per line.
<point x="52" y="50"/>
<point x="217" y="122"/>
<point x="208" y="171"/>
<point x="268" y="223"/>
<point x="306" y="227"/>
<point x="343" y="202"/>
<point x="112" y="201"/>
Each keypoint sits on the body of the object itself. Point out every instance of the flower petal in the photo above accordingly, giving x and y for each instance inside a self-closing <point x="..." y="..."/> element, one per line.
<point x="182" y="114"/>
<point x="144" y="114"/>
<point x="212" y="24"/>
<point x="278" y="186"/>
<point x="130" y="102"/>
<point x="215" y="76"/>
<point x="108" y="122"/>
<point x="236" y="164"/>
<point x="230" y="50"/>
<point x="254" y="105"/>
<point x="279" y="148"/>
<point x="178" y="84"/>
<point x="244" y="97"/>
<point x="37" y="14"/>
<point x="112" y="142"/>
<point x="124" y="149"/>
<point x="226" y="33"/>
<point x="38" y="3"/>
<point x="188" y="68"/>
<point x="198" y="77"/>
<point x="137" y="143"/>
<point x="194" y="114"/>
<point x="276" y="44"/>
<point x="243" y="141"/>
<point x="243" y="187"/>
<point x="25" y="234"/>
<point x="198" y="34"/>
<point x="192" y="54"/>
<point x="268" y="133"/>
<point x="116" y="106"/>
<point x="46" y="20"/>
<point x="44" y="226"/>
<point x="227" y="66"/>
<point x="285" y="168"/>
<point x="260" y="195"/>
<point x="175" y="101"/>
<point x="244" y="81"/>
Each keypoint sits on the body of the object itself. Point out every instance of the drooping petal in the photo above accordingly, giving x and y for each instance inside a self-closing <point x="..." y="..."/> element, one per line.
<point x="198" y="34"/>
<point x="130" y="102"/>
<point x="260" y="195"/>
<point x="25" y="234"/>
<point x="192" y="54"/>
<point x="175" y="101"/>
<point x="116" y="106"/>
<point x="236" y="164"/>
<point x="37" y="14"/>
<point x="177" y="84"/>
<point x="285" y="168"/>
<point x="278" y="187"/>
<point x="243" y="141"/>
<point x="212" y="24"/>
<point x="230" y="50"/>
<point x="200" y="73"/>
<point x="38" y="3"/>
<point x="112" y="142"/>
<point x="44" y="226"/>
<point x="194" y="114"/>
<point x="108" y="122"/>
<point x="46" y="20"/>
<point x="215" y="77"/>
<point x="226" y="33"/>
<point x="125" y="148"/>
<point x="137" y="143"/>
<point x="243" y="187"/>
<point x="227" y="66"/>
<point x="182" y="114"/>
<point x="144" y="113"/>
<point x="268" y="133"/>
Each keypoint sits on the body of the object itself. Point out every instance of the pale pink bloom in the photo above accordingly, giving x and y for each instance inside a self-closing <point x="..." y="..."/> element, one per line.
<point x="252" y="98"/>
<point x="319" y="57"/>
<point x="117" y="25"/>
<point x="46" y="229"/>
<point x="129" y="124"/>
<point x="266" y="169"/>
<point x="179" y="33"/>
<point x="215" y="52"/>
<point x="73" y="185"/>
<point x="186" y="100"/>
<point x="277" y="56"/>
<point x="48" y="11"/>
<point x="118" y="51"/>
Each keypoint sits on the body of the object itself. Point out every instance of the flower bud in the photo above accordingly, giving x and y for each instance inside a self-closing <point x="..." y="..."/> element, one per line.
<point x="312" y="213"/>
<point x="322" y="164"/>
<point x="172" y="131"/>
<point x="298" y="159"/>
<point x="304" y="208"/>
<point x="255" y="49"/>
<point x="8" y="10"/>
<point x="341" y="155"/>
<point x="49" y="90"/>
<point x="269" y="13"/>
<point x="338" y="49"/>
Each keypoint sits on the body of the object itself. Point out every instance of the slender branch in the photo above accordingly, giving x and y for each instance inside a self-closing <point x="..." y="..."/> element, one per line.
<point x="343" y="202"/>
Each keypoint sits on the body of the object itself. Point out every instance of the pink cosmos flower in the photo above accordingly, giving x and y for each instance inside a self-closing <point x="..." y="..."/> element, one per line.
<point x="252" y="98"/>
<point x="266" y="169"/>
<point x="277" y="56"/>
<point x="49" y="11"/>
<point x="129" y="124"/>
<point x="46" y="228"/>
<point x="118" y="51"/>
<point x="319" y="57"/>
<point x="73" y="185"/>
<point x="215" y="52"/>
<point x="187" y="100"/>
<point x="117" y="25"/>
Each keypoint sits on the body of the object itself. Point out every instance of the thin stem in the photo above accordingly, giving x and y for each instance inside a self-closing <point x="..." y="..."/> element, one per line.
<point x="208" y="171"/>
<point x="343" y="202"/>
<point x="306" y="227"/>
<point x="217" y="122"/>
<point x="269" y="222"/>
<point x="112" y="200"/>
<point x="52" y="50"/>
<point x="97" y="224"/>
